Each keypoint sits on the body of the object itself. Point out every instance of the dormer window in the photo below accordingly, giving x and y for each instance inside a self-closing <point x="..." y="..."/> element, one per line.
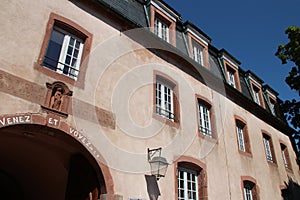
<point x="271" y="97"/>
<point x="231" y="69"/>
<point x="161" y="29"/>
<point x="197" y="52"/>
<point x="163" y="21"/>
<point x="231" y="79"/>
<point x="256" y="95"/>
<point x="255" y="84"/>
<point x="197" y="44"/>
<point x="272" y="106"/>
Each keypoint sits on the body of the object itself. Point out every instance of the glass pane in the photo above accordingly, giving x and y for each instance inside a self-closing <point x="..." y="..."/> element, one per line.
<point x="53" y="50"/>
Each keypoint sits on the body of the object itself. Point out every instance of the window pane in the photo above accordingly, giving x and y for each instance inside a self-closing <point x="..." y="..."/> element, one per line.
<point x="204" y="119"/>
<point x="53" y="50"/>
<point x="164" y="101"/>
<point x="187" y="180"/>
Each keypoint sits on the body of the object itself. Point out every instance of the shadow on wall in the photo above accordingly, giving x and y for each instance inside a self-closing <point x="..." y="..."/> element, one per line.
<point x="292" y="191"/>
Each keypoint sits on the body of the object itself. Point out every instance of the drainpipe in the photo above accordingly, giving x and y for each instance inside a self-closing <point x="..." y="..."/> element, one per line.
<point x="222" y="68"/>
<point x="146" y="13"/>
<point x="186" y="44"/>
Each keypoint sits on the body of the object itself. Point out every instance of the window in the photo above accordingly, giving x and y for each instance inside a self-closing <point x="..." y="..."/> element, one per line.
<point x="204" y="118"/>
<point x="241" y="140"/>
<point x="250" y="192"/>
<point x="161" y="29"/>
<point x="191" y="180"/>
<point x="269" y="148"/>
<point x="164" y="99"/>
<point x="256" y="95"/>
<point x="272" y="107"/>
<point x="231" y="79"/>
<point x="187" y="184"/>
<point x="285" y="156"/>
<point x="64" y="53"/>
<point x="64" y="48"/>
<point x="242" y="136"/>
<point x="198" y="53"/>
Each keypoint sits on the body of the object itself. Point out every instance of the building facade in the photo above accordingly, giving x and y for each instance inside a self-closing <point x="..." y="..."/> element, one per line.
<point x="87" y="87"/>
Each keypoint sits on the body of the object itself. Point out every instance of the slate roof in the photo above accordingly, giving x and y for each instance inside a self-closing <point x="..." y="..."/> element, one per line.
<point x="138" y="13"/>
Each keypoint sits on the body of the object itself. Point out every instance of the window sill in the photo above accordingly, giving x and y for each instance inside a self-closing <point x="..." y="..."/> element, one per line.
<point x="207" y="137"/>
<point x="166" y="120"/>
<point x="272" y="163"/>
<point x="244" y="153"/>
<point x="289" y="170"/>
<point x="39" y="67"/>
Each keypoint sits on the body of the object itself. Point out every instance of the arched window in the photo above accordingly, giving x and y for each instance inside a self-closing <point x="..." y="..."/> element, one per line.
<point x="191" y="181"/>
<point x="242" y="136"/>
<point x="249" y="188"/>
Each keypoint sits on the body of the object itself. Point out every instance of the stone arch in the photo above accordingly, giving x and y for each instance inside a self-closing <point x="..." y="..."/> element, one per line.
<point x="28" y="131"/>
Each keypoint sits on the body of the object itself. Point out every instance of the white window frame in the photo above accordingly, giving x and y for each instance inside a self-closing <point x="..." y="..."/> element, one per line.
<point x="241" y="140"/>
<point x="198" y="53"/>
<point x="190" y="184"/>
<point x="248" y="193"/>
<point x="272" y="108"/>
<point x="256" y="95"/>
<point x="164" y="100"/>
<point x="268" y="149"/>
<point x="231" y="78"/>
<point x="161" y="29"/>
<point x="73" y="69"/>
<point x="204" y="119"/>
<point x="284" y="158"/>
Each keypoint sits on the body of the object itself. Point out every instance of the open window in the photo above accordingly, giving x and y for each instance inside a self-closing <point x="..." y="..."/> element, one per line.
<point x="65" y="47"/>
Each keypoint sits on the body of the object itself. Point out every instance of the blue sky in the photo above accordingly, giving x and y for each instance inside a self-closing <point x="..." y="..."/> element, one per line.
<point x="249" y="30"/>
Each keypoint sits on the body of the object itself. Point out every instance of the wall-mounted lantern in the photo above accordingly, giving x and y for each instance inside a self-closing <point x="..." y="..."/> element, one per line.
<point x="158" y="163"/>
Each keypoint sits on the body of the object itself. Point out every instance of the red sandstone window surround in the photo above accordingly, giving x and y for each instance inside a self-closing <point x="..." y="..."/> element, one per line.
<point x="285" y="156"/>
<point x="249" y="188"/>
<point x="242" y="136"/>
<point x="64" y="51"/>
<point x="205" y="118"/>
<point x="165" y="99"/>
<point x="269" y="148"/>
<point x="232" y="75"/>
<point x="162" y="25"/>
<point x="191" y="181"/>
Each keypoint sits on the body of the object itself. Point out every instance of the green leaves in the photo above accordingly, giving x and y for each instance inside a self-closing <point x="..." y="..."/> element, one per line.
<point x="290" y="53"/>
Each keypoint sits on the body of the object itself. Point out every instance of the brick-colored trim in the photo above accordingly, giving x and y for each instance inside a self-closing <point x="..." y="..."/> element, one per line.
<point x="167" y="78"/>
<point x="71" y="26"/>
